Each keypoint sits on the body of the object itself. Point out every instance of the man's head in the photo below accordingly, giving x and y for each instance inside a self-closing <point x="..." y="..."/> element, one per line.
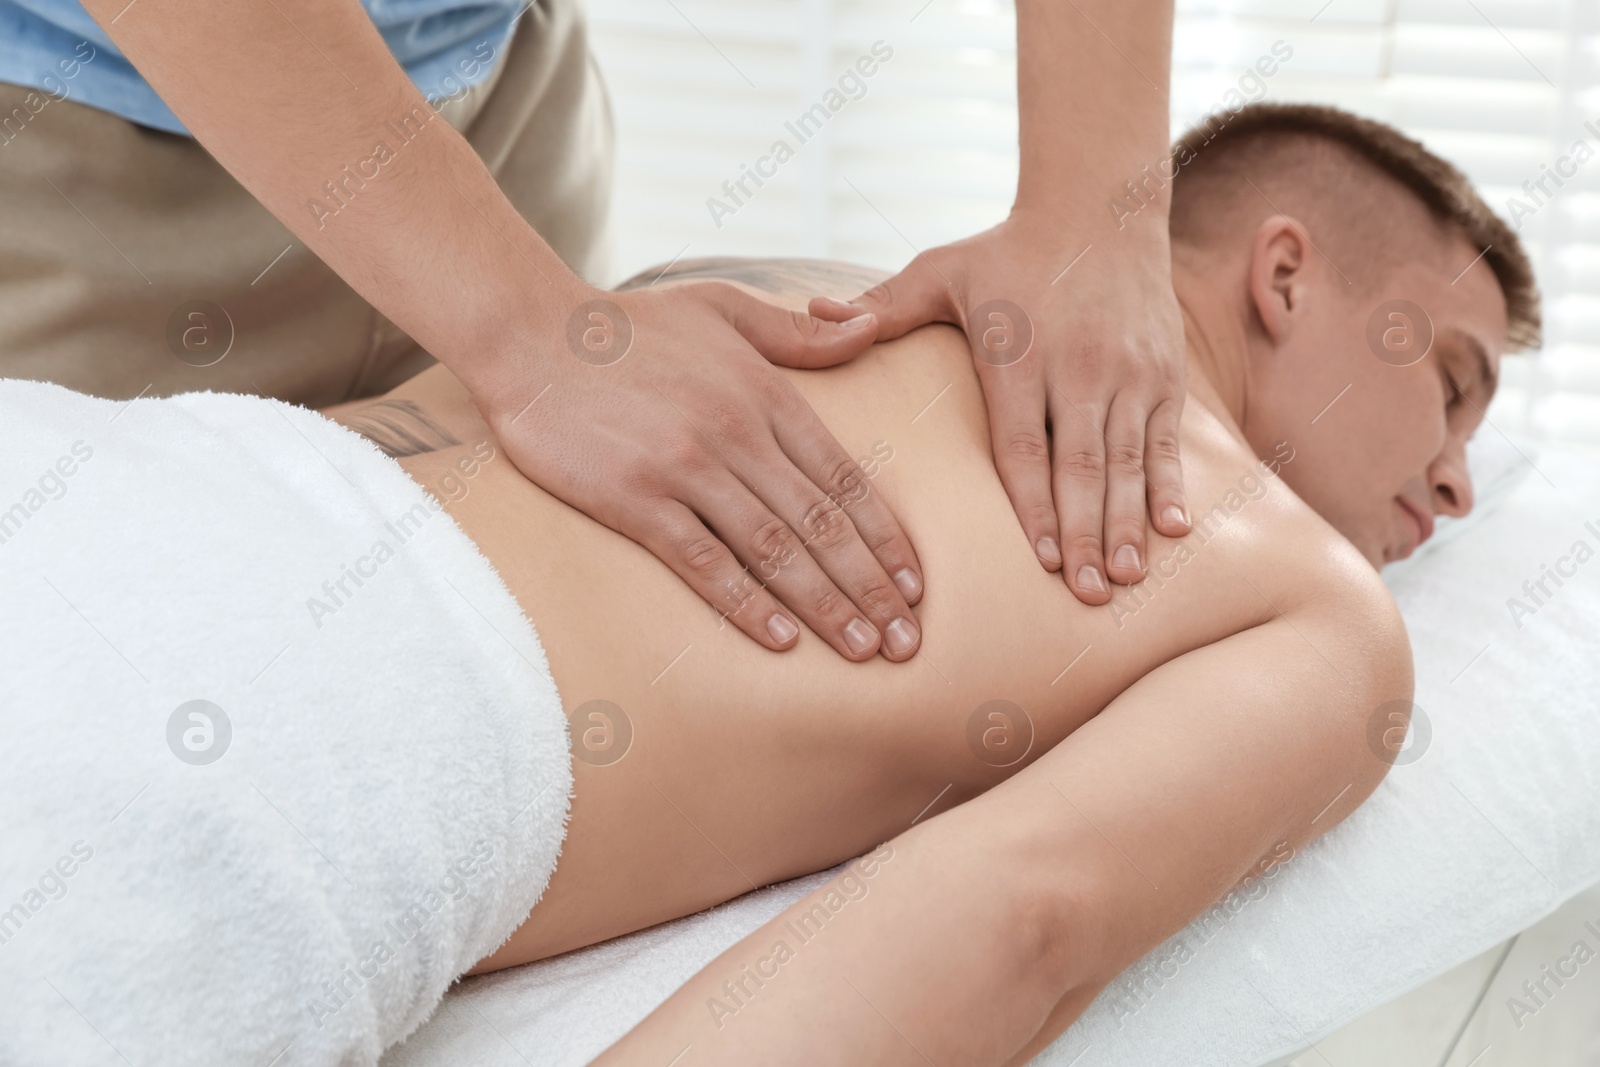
<point x="1368" y="293"/>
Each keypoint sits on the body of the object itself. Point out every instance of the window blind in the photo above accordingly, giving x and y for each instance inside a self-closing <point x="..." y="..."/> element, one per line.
<point x="868" y="130"/>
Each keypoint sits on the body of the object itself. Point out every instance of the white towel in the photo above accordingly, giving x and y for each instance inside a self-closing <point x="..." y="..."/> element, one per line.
<point x="368" y="797"/>
<point x="1493" y="827"/>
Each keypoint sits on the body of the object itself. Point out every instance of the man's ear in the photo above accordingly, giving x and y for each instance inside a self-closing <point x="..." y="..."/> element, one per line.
<point x="1279" y="257"/>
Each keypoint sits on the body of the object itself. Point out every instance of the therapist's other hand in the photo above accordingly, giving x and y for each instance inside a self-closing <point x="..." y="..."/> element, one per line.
<point x="1082" y="368"/>
<point x="654" y="413"/>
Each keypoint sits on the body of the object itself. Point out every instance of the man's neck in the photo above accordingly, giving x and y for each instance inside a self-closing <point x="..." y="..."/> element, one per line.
<point x="1216" y="342"/>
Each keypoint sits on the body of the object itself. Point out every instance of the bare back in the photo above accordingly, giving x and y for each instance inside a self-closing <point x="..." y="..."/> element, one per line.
<point x="747" y="766"/>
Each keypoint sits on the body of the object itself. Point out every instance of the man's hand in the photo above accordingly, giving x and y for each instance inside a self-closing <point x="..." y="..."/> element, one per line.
<point x="1080" y="353"/>
<point x="652" y="413"/>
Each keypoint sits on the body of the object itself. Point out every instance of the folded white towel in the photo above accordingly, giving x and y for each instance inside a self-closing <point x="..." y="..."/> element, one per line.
<point x="1488" y="831"/>
<point x="280" y="757"/>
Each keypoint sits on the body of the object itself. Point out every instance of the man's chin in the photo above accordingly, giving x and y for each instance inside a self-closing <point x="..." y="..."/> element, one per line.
<point x="1376" y="553"/>
<point x="1384" y="555"/>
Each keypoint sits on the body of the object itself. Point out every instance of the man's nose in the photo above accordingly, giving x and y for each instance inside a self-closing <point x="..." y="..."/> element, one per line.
<point x="1450" y="482"/>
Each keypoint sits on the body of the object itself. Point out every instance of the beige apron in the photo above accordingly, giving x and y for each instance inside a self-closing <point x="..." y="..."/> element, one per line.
<point x="131" y="262"/>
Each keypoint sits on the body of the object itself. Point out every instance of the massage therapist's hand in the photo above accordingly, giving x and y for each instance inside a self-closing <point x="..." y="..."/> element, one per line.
<point x="690" y="443"/>
<point x="654" y="413"/>
<point x="1081" y="364"/>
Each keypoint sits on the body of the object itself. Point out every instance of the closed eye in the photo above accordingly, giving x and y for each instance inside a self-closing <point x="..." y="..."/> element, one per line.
<point x="1468" y="376"/>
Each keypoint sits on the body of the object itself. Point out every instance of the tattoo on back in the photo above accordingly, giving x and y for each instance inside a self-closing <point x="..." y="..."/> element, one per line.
<point x="400" y="428"/>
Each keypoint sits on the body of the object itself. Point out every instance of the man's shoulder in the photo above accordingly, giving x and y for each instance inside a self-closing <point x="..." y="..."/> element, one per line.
<point x="789" y="282"/>
<point x="1295" y="558"/>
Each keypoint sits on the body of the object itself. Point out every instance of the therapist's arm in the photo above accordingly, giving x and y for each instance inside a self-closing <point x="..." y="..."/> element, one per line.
<point x="690" y="443"/>
<point x="1084" y="256"/>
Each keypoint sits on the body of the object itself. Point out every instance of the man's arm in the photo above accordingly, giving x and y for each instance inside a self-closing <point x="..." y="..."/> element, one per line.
<point x="1068" y="304"/>
<point x="650" y="412"/>
<point x="983" y="932"/>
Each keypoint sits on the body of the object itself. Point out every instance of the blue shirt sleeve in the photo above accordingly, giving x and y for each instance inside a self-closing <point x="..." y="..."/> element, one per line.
<point x="55" y="47"/>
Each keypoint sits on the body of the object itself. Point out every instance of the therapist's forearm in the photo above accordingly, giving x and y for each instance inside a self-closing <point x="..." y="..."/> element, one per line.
<point x="1092" y="91"/>
<point x="295" y="98"/>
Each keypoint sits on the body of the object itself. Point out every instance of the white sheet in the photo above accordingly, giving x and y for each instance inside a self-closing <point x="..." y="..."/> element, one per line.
<point x="1492" y="828"/>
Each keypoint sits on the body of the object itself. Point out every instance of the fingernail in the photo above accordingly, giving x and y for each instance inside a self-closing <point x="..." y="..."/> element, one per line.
<point x="781" y="629"/>
<point x="901" y="636"/>
<point x="1048" y="550"/>
<point x="1175" y="514"/>
<point x="1089" y="578"/>
<point x="906" y="580"/>
<point x="860" y="636"/>
<point x="858" y="322"/>
<point x="1127" y="558"/>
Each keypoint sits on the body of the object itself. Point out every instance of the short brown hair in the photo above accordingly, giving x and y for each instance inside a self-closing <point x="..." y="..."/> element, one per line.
<point x="1442" y="189"/>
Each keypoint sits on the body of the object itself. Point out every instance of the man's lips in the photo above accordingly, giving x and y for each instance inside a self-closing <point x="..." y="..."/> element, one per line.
<point x="1423" y="521"/>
